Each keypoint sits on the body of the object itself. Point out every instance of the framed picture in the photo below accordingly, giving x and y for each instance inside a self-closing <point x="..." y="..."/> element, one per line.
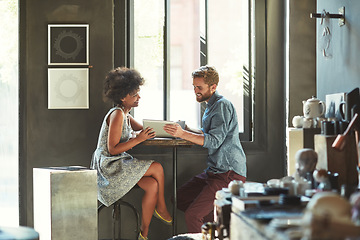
<point x="68" y="44"/>
<point x="68" y="88"/>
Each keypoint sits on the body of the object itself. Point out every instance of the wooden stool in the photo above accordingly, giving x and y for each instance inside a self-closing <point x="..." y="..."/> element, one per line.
<point x="116" y="217"/>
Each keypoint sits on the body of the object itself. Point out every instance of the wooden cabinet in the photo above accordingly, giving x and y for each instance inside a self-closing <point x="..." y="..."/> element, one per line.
<point x="343" y="162"/>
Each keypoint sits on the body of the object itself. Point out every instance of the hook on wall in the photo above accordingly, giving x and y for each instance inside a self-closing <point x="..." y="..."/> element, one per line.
<point x="324" y="14"/>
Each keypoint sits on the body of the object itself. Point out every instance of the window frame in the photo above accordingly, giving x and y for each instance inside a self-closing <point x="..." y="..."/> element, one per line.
<point x="254" y="136"/>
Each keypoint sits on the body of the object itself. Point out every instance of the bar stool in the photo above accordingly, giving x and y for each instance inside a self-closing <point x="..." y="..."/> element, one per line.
<point x="116" y="216"/>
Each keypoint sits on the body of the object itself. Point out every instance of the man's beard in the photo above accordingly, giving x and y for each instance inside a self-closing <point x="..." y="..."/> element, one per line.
<point x="203" y="97"/>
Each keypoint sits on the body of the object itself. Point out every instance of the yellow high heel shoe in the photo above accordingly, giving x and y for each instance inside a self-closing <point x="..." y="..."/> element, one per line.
<point x="167" y="222"/>
<point x="141" y="237"/>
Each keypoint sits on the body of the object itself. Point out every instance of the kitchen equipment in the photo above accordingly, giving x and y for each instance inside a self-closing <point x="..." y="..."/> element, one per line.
<point x="308" y="123"/>
<point x="346" y="190"/>
<point x="297" y="121"/>
<point x="319" y="121"/>
<point x="285" y="199"/>
<point x="313" y="108"/>
<point x="288" y="182"/>
<point x="352" y="98"/>
<point x="208" y="230"/>
<point x="327" y="128"/>
<point x="337" y="127"/>
<point x="340" y="140"/>
<point x="273" y="183"/>
<point x="275" y="211"/>
<point x="356" y="109"/>
<point x="275" y="191"/>
<point x="236" y="187"/>
<point x="343" y="125"/>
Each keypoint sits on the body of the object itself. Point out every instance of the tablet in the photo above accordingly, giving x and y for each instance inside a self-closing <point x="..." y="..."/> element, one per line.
<point x="158" y="125"/>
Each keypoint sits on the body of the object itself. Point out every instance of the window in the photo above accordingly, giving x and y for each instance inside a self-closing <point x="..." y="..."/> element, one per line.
<point x="228" y="48"/>
<point x="9" y="114"/>
<point x="263" y="86"/>
<point x="184" y="27"/>
<point x="170" y="39"/>
<point x="148" y="56"/>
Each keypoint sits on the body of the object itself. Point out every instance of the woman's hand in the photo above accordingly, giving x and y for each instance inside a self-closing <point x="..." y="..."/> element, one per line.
<point x="146" y="134"/>
<point x="174" y="130"/>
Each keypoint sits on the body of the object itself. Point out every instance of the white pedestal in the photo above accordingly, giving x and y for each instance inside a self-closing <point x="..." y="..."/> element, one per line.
<point x="299" y="138"/>
<point x="65" y="203"/>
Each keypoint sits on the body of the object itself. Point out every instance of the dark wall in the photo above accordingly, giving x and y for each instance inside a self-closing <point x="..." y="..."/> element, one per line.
<point x="302" y="56"/>
<point x="58" y="137"/>
<point x="69" y="137"/>
<point x="267" y="153"/>
<point x="341" y="71"/>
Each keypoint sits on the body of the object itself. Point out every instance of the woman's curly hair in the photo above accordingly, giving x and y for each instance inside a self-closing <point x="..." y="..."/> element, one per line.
<point x="120" y="82"/>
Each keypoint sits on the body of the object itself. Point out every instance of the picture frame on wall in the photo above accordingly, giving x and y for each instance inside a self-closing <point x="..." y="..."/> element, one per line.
<point x="68" y="88"/>
<point x="68" y="44"/>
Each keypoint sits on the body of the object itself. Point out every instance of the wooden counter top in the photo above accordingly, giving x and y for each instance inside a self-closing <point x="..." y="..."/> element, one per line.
<point x="170" y="142"/>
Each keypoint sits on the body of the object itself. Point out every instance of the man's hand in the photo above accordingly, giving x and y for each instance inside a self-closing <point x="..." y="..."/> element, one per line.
<point x="174" y="130"/>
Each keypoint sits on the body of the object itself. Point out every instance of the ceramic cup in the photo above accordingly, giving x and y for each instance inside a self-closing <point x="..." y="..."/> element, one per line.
<point x="327" y="128"/>
<point x="308" y="123"/>
<point x="237" y="188"/>
<point x="288" y="182"/>
<point x="336" y="127"/>
<point x="273" y="183"/>
<point x="297" y="121"/>
<point x="319" y="121"/>
<point x="301" y="186"/>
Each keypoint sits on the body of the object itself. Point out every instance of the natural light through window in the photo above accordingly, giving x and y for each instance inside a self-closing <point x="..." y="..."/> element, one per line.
<point x="224" y="45"/>
<point x="184" y="58"/>
<point x="228" y="48"/>
<point x="9" y="201"/>
<point x="148" y="56"/>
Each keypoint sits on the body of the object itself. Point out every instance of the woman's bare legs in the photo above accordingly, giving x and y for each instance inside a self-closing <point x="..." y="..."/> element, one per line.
<point x="157" y="172"/>
<point x="153" y="184"/>
<point x="150" y="186"/>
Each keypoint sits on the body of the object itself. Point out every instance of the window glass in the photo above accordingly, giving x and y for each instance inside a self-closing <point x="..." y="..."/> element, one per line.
<point x="184" y="58"/>
<point x="9" y="210"/>
<point x="223" y="32"/>
<point x="148" y="56"/>
<point x="228" y="48"/>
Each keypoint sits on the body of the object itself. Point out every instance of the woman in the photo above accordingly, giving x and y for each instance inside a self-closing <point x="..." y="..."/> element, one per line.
<point x="118" y="172"/>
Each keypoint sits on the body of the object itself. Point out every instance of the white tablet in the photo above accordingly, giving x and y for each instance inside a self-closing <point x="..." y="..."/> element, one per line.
<point x="158" y="126"/>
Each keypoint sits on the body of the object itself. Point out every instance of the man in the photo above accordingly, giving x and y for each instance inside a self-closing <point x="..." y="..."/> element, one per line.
<point x="226" y="159"/>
